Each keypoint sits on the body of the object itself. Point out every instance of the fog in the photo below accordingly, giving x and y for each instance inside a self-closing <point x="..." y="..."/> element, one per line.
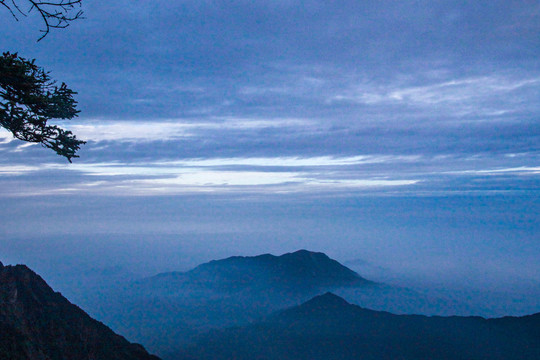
<point x="471" y="248"/>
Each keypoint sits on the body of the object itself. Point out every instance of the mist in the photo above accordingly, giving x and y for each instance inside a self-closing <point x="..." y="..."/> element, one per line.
<point x="453" y="246"/>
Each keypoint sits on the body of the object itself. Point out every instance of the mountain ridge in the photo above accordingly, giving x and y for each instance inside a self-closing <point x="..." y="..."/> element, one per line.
<point x="37" y="323"/>
<point x="328" y="327"/>
<point x="299" y="268"/>
<point x="220" y="293"/>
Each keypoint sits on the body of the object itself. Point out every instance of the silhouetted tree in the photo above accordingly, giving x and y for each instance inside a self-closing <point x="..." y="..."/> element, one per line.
<point x="29" y="98"/>
<point x="56" y="14"/>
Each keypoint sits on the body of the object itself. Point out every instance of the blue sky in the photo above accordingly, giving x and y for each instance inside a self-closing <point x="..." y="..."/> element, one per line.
<point x="210" y="110"/>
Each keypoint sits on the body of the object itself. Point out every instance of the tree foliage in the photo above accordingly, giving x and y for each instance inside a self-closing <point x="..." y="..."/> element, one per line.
<point x="55" y="14"/>
<point x="29" y="99"/>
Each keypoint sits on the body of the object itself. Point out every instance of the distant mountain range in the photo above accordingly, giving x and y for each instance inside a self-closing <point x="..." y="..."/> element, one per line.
<point x="328" y="327"/>
<point x="171" y="308"/>
<point x="37" y="323"/>
<point x="167" y="311"/>
<point x="260" y="307"/>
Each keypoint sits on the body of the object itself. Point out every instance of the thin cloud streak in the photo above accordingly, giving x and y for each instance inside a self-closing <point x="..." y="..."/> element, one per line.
<point x="255" y="182"/>
<point x="271" y="175"/>
<point x="469" y="90"/>
<point x="259" y="175"/>
<point x="523" y="170"/>
<point x="166" y="130"/>
<point x="17" y="169"/>
<point x="291" y="161"/>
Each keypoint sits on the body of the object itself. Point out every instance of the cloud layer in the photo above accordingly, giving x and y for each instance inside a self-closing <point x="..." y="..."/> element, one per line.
<point x="290" y="96"/>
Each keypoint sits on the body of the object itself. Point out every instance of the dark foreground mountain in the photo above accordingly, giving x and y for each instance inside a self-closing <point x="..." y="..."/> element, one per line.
<point x="37" y="323"/>
<point x="327" y="327"/>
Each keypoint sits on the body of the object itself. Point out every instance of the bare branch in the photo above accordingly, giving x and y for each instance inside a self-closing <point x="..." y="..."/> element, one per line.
<point x="9" y="9"/>
<point x="57" y="14"/>
<point x="17" y="7"/>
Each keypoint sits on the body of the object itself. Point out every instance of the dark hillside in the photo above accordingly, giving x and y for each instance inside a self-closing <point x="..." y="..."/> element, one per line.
<point x="37" y="323"/>
<point x="327" y="327"/>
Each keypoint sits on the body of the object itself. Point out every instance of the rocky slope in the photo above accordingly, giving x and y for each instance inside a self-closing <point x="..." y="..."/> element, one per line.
<point x="37" y="323"/>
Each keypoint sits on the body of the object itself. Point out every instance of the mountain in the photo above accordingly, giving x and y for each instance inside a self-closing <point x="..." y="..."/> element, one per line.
<point x="37" y="323"/>
<point x="166" y="311"/>
<point x="328" y="327"/>
<point x="300" y="270"/>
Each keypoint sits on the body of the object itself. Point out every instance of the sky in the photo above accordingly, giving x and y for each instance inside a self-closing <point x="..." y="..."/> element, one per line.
<point x="404" y="134"/>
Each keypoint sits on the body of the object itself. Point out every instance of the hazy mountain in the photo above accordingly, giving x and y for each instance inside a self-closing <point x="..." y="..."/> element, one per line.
<point x="170" y="308"/>
<point x="167" y="311"/>
<point x="328" y="327"/>
<point x="299" y="271"/>
<point x="37" y="323"/>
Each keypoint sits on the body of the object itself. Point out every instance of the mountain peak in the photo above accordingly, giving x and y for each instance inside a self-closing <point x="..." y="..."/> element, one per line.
<point x="325" y="301"/>
<point x="299" y="269"/>
<point x="327" y="327"/>
<point x="23" y="286"/>
<point x="303" y="254"/>
<point x="38" y="323"/>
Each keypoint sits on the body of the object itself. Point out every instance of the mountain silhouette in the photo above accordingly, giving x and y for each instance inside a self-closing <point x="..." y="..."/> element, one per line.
<point x="328" y="327"/>
<point x="37" y="323"/>
<point x="300" y="270"/>
<point x="166" y="311"/>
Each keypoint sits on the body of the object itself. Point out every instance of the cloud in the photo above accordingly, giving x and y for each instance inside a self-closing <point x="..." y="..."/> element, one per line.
<point x="291" y="161"/>
<point x="293" y="174"/>
<point x="5" y="137"/>
<point x="167" y="130"/>
<point x="254" y="175"/>
<point x="254" y="181"/>
<point x="491" y="95"/>
<point x="383" y="91"/>
<point x="17" y="169"/>
<point x="522" y="170"/>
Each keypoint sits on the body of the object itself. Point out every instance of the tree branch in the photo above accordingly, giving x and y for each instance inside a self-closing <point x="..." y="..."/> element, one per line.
<point x="56" y="14"/>
<point x="29" y="98"/>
